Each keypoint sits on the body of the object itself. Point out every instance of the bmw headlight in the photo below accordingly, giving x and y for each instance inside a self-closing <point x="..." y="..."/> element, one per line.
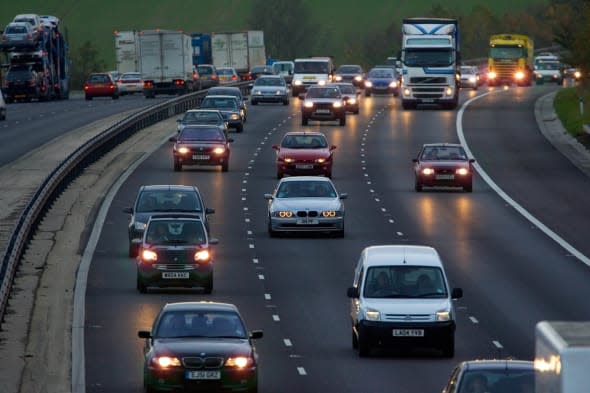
<point x="219" y="150"/>
<point x="283" y="214"/>
<point x="239" y="361"/>
<point x="428" y="171"/>
<point x="139" y="226"/>
<point x="308" y="104"/>
<point x="462" y="171"/>
<point x="166" y="361"/>
<point x="235" y="116"/>
<point x="329" y="213"/>
<point x="372" y="315"/>
<point x="183" y="150"/>
<point x="444" y="315"/>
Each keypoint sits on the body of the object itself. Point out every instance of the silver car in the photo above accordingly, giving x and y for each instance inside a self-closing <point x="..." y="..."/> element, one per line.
<point x="269" y="88"/>
<point x="305" y="204"/>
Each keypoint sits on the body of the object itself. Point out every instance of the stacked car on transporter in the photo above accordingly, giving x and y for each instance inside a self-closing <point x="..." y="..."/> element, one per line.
<point x="36" y="55"/>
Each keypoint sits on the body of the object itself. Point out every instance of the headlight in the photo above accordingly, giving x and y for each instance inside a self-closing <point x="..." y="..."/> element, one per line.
<point x="407" y="91"/>
<point x="289" y="160"/>
<point x="283" y="214"/>
<point x="393" y="84"/>
<point x="329" y="213"/>
<point x="519" y="75"/>
<point x="183" y="150"/>
<point x="308" y="104"/>
<point x="449" y="91"/>
<point x="472" y="79"/>
<point x="492" y="75"/>
<point x="139" y="226"/>
<point x="577" y="74"/>
<point x="427" y="171"/>
<point x="338" y="78"/>
<point x="202" y="255"/>
<point x="372" y="315"/>
<point x="149" y="255"/>
<point x="239" y="361"/>
<point x="462" y="171"/>
<point x="443" y="315"/>
<point x="368" y="83"/>
<point x="278" y="92"/>
<point x="555" y="76"/>
<point x="358" y="78"/>
<point x="320" y="160"/>
<point x="337" y="104"/>
<point x="235" y="116"/>
<point x="321" y="83"/>
<point x="352" y="101"/>
<point x="257" y="92"/>
<point x="166" y="361"/>
<point x="219" y="150"/>
<point x="297" y="83"/>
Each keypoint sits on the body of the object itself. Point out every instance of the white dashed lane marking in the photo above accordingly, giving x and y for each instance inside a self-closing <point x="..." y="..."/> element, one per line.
<point x="276" y="318"/>
<point x="497" y="344"/>
<point x="261" y="276"/>
<point x="301" y="371"/>
<point x="254" y="260"/>
<point x="267" y="296"/>
<point x="473" y="319"/>
<point x="287" y="342"/>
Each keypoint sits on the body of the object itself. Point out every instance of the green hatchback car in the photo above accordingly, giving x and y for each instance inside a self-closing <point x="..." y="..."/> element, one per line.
<point x="175" y="251"/>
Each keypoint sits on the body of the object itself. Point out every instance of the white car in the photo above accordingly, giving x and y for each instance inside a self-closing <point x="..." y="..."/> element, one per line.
<point x="469" y="77"/>
<point x="129" y="83"/>
<point x="401" y="297"/>
<point x="33" y="19"/>
<point x="269" y="88"/>
<point x="305" y="204"/>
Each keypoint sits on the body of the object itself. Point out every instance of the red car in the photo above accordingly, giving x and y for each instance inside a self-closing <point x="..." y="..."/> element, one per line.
<point x="100" y="85"/>
<point x="304" y="153"/>
<point x="443" y="164"/>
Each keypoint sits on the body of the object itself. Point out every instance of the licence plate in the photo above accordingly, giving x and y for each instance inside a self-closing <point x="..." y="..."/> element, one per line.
<point x="408" y="332"/>
<point x="309" y="77"/>
<point x="307" y="221"/>
<point x="323" y="111"/>
<point x="304" y="166"/>
<point x="200" y="157"/>
<point x="428" y="100"/>
<point x="203" y="374"/>
<point x="445" y="177"/>
<point x="175" y="275"/>
<point x="99" y="85"/>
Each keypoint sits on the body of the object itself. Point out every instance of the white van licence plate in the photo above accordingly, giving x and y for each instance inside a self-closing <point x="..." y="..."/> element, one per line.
<point x="408" y="332"/>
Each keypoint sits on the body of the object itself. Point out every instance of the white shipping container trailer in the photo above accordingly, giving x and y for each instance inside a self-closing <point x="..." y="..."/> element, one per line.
<point x="240" y="50"/>
<point x="562" y="357"/>
<point x="126" y="51"/>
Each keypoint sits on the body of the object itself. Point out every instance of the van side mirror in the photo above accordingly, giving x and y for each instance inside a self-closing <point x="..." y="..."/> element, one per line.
<point x="209" y="210"/>
<point x="456" y="293"/>
<point x="352" y="292"/>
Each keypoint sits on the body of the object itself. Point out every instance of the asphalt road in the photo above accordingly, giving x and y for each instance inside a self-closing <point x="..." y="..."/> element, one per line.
<point x="294" y="287"/>
<point x="30" y="125"/>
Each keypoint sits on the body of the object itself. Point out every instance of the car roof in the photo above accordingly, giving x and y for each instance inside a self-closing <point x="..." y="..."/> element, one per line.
<point x="305" y="133"/>
<point x="220" y="96"/>
<point x="273" y="76"/>
<point x="156" y="216"/>
<point x="168" y="187"/>
<point x="200" y="306"/>
<point x="387" y="255"/>
<point x="497" y="364"/>
<point x="225" y="88"/>
<point x="18" y="24"/>
<point x="204" y="110"/>
<point x="442" y="144"/>
<point x="305" y="178"/>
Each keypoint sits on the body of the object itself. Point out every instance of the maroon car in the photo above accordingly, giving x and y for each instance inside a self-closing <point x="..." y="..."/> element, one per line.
<point x="304" y="153"/>
<point x="100" y="85"/>
<point x="201" y="144"/>
<point x="443" y="164"/>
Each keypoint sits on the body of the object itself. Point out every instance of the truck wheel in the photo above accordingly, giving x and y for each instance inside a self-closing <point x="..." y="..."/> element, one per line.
<point x="343" y="120"/>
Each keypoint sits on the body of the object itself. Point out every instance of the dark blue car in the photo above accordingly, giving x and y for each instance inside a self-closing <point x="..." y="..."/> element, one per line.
<point x="381" y="80"/>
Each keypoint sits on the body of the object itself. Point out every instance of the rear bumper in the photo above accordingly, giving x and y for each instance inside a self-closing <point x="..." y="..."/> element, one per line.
<point x="381" y="333"/>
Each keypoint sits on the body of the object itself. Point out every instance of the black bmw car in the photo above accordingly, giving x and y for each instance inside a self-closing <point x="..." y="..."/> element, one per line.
<point x="200" y="346"/>
<point x="200" y="144"/>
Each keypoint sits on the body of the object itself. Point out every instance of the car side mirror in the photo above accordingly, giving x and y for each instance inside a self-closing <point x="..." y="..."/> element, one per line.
<point x="343" y="195"/>
<point x="456" y="293"/>
<point x="256" y="334"/>
<point x="352" y="292"/>
<point x="172" y="139"/>
<point x="276" y="147"/>
<point x="472" y="160"/>
<point x="178" y="120"/>
<point x="414" y="160"/>
<point x="230" y="139"/>
<point x="213" y="241"/>
<point x="209" y="210"/>
<point x="144" y="334"/>
<point x="128" y="210"/>
<point x="136" y="241"/>
<point x="268" y="196"/>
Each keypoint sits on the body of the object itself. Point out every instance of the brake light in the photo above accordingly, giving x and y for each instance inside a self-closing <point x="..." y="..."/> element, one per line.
<point x="32" y="82"/>
<point x="179" y="82"/>
<point x="234" y="78"/>
<point x="111" y="86"/>
<point x="213" y="77"/>
<point x="148" y="84"/>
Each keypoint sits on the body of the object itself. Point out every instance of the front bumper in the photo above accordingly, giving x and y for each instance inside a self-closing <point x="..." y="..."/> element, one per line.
<point x="199" y="275"/>
<point x="200" y="159"/>
<point x="381" y="333"/>
<point x="269" y="98"/>
<point x="432" y="181"/>
<point x="332" y="114"/>
<point x="175" y="380"/>
<point x="299" y="169"/>
<point x="316" y="224"/>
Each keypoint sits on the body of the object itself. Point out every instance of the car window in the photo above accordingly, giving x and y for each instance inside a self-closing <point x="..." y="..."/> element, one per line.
<point x="16" y="30"/>
<point x="98" y="79"/>
<point x="404" y="282"/>
<point x="304" y="142"/>
<point x="348" y="70"/>
<point x="347" y="89"/>
<point x="168" y="200"/>
<point x="269" y="82"/>
<point x="201" y="134"/>
<point x="222" y="91"/>
<point x="502" y="380"/>
<point x="219" y="103"/>
<point x="162" y="232"/>
<point x="306" y="189"/>
<point x="333" y="92"/>
<point x="443" y="153"/>
<point x="205" y="117"/>
<point x="217" y="324"/>
<point x="277" y="67"/>
<point x="131" y="76"/>
<point x="204" y="70"/>
<point x="381" y="73"/>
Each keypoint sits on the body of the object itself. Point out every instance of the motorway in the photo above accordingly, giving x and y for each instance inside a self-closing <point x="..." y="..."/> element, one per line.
<point x="294" y="288"/>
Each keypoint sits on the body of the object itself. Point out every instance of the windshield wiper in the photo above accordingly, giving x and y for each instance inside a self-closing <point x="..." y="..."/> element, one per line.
<point x="428" y="294"/>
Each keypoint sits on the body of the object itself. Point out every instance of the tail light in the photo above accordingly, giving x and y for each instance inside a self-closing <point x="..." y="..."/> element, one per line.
<point x="5" y="83"/>
<point x="85" y="86"/>
<point x="32" y="82"/>
<point x="179" y="82"/>
<point x="234" y="78"/>
<point x="148" y="84"/>
<point x="214" y="77"/>
<point x="111" y="86"/>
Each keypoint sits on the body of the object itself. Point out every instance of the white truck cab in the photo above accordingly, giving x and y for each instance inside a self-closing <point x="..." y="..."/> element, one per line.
<point x="401" y="298"/>
<point x="311" y="71"/>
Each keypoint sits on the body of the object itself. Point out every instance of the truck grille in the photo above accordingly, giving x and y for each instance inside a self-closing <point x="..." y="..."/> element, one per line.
<point x="428" y="92"/>
<point x="428" y="80"/>
<point x="505" y="69"/>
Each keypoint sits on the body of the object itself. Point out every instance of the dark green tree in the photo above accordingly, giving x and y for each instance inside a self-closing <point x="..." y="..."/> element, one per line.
<point x="84" y="61"/>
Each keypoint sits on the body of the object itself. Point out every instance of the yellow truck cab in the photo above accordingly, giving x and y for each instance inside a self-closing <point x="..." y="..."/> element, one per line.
<point x="510" y="60"/>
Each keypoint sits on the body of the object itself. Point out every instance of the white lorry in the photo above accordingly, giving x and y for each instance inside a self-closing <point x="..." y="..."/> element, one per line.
<point x="430" y="58"/>
<point x="241" y="50"/>
<point x="562" y="357"/>
<point x="126" y="51"/>
<point x="166" y="62"/>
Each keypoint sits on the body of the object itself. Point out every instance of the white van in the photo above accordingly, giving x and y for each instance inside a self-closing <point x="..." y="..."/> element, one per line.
<point x="311" y="71"/>
<point x="401" y="298"/>
<point x="284" y="69"/>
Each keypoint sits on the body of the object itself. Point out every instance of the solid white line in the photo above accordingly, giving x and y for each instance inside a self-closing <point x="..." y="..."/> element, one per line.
<point x="554" y="236"/>
<point x="267" y="296"/>
<point x="276" y="318"/>
<point x="473" y="319"/>
<point x="301" y="371"/>
<point x="287" y="342"/>
<point x="497" y="344"/>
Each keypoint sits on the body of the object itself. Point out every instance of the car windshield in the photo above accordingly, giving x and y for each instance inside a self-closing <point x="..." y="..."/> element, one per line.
<point x="131" y="75"/>
<point x="204" y="70"/>
<point x="98" y="79"/>
<point x="168" y="201"/>
<point x="328" y="92"/>
<point x="548" y="66"/>
<point x="381" y="73"/>
<point x="200" y="324"/>
<point x="284" y="67"/>
<point x="505" y="379"/>
<point x="224" y="91"/>
<point x="467" y="70"/>
<point x="16" y="30"/>
<point x="306" y="189"/>
<point x="443" y="153"/>
<point x="304" y="142"/>
<point x="18" y="73"/>
<point x="443" y="57"/>
<point x="211" y="134"/>
<point x="349" y="70"/>
<point x="225" y="103"/>
<point x="312" y="67"/>
<point x="269" y="82"/>
<point x="183" y="232"/>
<point x="202" y="117"/>
<point x="225" y="71"/>
<point x="404" y="282"/>
<point x="347" y="89"/>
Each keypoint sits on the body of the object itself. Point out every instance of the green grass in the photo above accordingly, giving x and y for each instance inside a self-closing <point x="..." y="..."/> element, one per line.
<point x="344" y="19"/>
<point x="567" y="107"/>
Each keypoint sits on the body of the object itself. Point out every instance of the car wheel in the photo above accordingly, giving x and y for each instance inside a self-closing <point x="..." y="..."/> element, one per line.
<point x="343" y="120"/>
<point x="448" y="349"/>
<point x="88" y="98"/>
<point x="141" y="287"/>
<point x="208" y="288"/>
<point x="116" y="97"/>
<point x="304" y="121"/>
<point x="225" y="166"/>
<point x="329" y="175"/>
<point x="177" y="167"/>
<point x="240" y="128"/>
<point x="279" y="175"/>
<point x="133" y="249"/>
<point x="253" y="389"/>
<point x="271" y="233"/>
<point x="254" y="102"/>
<point x="340" y="234"/>
<point x="355" y="341"/>
<point x="418" y="187"/>
<point x="356" y="112"/>
<point x="367" y="93"/>
<point x="286" y="102"/>
<point x="364" y="347"/>
<point x="468" y="187"/>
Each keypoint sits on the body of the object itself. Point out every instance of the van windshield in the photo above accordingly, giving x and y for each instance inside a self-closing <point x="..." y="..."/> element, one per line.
<point x="312" y="67"/>
<point x="404" y="282"/>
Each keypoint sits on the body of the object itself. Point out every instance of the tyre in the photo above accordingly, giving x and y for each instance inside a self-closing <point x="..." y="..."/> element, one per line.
<point x="177" y="167"/>
<point x="240" y="128"/>
<point x="343" y="120"/>
<point x="141" y="287"/>
<point x="340" y="234"/>
<point x="208" y="288"/>
<point x="364" y="348"/>
<point x="304" y="121"/>
<point x="271" y="233"/>
<point x="133" y="249"/>
<point x="279" y="175"/>
<point x="88" y="98"/>
<point x="286" y="102"/>
<point x="448" y="348"/>
<point x="418" y="187"/>
<point x="225" y="166"/>
<point x="468" y="187"/>
<point x="254" y="102"/>
<point x="355" y="341"/>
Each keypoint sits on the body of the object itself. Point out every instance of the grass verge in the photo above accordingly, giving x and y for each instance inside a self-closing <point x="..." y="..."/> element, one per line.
<point x="567" y="107"/>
